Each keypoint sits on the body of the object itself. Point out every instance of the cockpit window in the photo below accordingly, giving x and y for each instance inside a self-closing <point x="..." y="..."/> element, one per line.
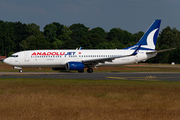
<point x="14" y="56"/>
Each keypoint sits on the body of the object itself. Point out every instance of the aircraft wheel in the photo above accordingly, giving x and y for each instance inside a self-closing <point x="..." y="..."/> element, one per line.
<point x="20" y="70"/>
<point x="81" y="71"/>
<point x="89" y="70"/>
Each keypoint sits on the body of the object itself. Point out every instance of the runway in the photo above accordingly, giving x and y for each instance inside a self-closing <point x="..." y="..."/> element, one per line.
<point x="96" y="76"/>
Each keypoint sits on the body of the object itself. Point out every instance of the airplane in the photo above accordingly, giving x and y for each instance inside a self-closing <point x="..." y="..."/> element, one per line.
<point x="79" y="59"/>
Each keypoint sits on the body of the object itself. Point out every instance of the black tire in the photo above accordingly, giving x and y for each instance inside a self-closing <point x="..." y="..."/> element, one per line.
<point x="80" y="71"/>
<point x="90" y="70"/>
<point x="20" y="70"/>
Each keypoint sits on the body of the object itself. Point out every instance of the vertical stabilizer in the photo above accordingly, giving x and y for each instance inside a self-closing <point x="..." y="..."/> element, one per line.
<point x="149" y="39"/>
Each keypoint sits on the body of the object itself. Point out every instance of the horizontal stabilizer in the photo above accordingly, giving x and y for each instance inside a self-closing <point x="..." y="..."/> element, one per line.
<point x="158" y="51"/>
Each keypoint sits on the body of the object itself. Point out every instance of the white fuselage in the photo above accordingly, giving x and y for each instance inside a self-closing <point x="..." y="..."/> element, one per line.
<point x="58" y="58"/>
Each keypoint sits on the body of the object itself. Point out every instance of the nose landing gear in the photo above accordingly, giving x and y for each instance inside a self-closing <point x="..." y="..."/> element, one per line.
<point x="20" y="70"/>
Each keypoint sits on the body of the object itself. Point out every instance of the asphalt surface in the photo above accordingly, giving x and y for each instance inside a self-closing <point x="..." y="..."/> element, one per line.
<point x="95" y="76"/>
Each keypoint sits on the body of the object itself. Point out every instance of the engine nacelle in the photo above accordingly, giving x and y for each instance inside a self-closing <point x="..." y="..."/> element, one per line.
<point x="74" y="66"/>
<point x="58" y="68"/>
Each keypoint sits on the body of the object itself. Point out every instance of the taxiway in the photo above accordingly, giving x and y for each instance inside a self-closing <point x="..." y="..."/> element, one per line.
<point x="95" y="76"/>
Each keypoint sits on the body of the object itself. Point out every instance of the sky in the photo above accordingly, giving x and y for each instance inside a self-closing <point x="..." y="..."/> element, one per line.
<point x="130" y="15"/>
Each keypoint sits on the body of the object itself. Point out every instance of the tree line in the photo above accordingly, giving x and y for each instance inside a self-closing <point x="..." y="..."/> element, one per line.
<point x="16" y="36"/>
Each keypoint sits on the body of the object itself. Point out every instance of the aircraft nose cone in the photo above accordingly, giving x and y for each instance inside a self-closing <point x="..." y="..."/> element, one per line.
<point x="6" y="61"/>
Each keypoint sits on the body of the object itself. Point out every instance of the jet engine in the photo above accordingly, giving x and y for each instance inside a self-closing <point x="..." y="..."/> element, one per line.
<point x="74" y="66"/>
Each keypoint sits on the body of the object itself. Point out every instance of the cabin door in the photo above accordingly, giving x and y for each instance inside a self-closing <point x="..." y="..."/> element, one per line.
<point x="26" y="56"/>
<point x="136" y="58"/>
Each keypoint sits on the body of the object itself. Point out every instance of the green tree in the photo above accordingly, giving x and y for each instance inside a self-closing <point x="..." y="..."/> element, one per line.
<point x="116" y="38"/>
<point x="99" y="31"/>
<point x="70" y="44"/>
<point x="137" y="36"/>
<point x="78" y="32"/>
<point x="95" y="40"/>
<point x="116" y="44"/>
<point x="114" y="33"/>
<point x="106" y="45"/>
<point x="175" y="55"/>
<point x="66" y="33"/>
<point x="33" y="29"/>
<point x="85" y="43"/>
<point x="55" y="33"/>
<point x="56" y="44"/>
<point x="168" y="38"/>
<point x="59" y="29"/>
<point x="50" y="31"/>
<point x="20" y="34"/>
<point x="7" y="42"/>
<point x="35" y="40"/>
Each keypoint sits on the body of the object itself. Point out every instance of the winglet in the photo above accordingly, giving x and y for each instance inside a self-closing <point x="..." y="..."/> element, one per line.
<point x="136" y="51"/>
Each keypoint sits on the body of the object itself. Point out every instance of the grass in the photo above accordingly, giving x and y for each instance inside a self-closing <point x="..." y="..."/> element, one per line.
<point x="54" y="99"/>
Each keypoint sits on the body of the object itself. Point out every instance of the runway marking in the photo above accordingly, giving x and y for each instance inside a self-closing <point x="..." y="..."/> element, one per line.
<point x="132" y="78"/>
<point x="148" y="78"/>
<point x="116" y="78"/>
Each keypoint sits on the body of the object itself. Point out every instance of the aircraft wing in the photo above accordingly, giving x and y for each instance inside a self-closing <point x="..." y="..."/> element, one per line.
<point x="93" y="62"/>
<point x="158" y="51"/>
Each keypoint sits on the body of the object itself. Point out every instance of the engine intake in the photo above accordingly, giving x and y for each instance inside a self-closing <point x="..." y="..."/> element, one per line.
<point x="74" y="66"/>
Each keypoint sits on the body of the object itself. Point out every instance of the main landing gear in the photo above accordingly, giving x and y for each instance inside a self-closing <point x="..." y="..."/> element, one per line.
<point x="89" y="70"/>
<point x="81" y="71"/>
